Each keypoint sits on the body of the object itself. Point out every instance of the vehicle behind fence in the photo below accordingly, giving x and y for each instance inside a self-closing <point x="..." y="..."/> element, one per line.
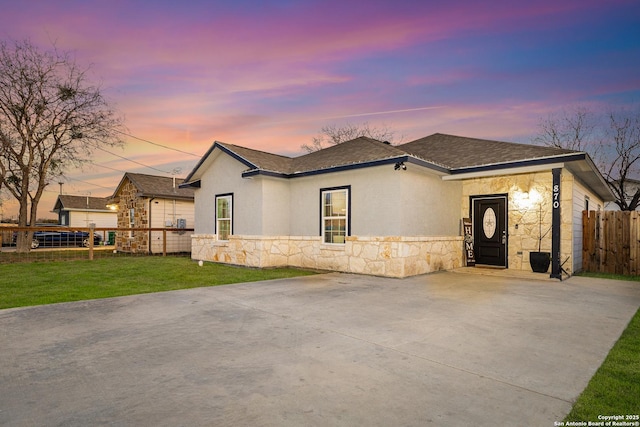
<point x="63" y="243"/>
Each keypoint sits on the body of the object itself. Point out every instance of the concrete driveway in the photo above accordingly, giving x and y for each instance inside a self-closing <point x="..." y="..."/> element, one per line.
<point x="450" y="349"/>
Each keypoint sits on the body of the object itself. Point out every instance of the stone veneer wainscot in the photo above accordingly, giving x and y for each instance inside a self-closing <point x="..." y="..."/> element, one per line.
<point x="381" y="256"/>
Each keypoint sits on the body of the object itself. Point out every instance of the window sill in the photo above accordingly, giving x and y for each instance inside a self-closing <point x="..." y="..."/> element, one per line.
<point x="333" y="246"/>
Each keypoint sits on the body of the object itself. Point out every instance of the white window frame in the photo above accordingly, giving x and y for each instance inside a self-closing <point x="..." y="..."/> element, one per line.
<point x="229" y="219"/>
<point x="329" y="238"/>
<point x="132" y="220"/>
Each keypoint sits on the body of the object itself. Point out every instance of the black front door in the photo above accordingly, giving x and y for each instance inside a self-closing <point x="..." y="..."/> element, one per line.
<point x="490" y="230"/>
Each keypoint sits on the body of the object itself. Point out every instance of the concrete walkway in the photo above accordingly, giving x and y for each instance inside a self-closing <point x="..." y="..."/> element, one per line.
<point x="446" y="349"/>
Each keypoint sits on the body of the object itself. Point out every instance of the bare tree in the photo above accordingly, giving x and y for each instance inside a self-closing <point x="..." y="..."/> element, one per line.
<point x="569" y="130"/>
<point x="51" y="119"/>
<point x="333" y="135"/>
<point x="624" y="132"/>
<point x="614" y="144"/>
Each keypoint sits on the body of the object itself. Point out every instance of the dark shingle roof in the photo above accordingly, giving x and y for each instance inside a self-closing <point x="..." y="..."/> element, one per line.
<point x="448" y="151"/>
<point x="69" y="202"/>
<point x="455" y="152"/>
<point x="260" y="159"/>
<point x="448" y="154"/>
<point x="356" y="151"/>
<point x="445" y="153"/>
<point x="159" y="186"/>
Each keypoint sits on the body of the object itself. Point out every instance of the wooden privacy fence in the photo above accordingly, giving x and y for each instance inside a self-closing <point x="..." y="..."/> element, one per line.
<point x="611" y="242"/>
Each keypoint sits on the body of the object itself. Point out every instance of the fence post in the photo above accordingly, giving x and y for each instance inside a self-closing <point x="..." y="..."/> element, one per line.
<point x="634" y="244"/>
<point x="92" y="227"/>
<point x="587" y="241"/>
<point x="164" y="242"/>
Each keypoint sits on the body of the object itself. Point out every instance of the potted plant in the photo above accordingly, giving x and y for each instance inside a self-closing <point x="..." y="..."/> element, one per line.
<point x="539" y="260"/>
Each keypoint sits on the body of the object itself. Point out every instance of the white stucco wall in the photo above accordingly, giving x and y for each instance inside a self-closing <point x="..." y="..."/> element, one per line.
<point x="384" y="202"/>
<point x="429" y="206"/>
<point x="224" y="177"/>
<point x="276" y="212"/>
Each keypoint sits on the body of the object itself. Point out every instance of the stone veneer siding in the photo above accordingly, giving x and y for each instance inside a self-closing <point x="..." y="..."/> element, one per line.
<point x="523" y="220"/>
<point x="138" y="242"/>
<point x="380" y="256"/>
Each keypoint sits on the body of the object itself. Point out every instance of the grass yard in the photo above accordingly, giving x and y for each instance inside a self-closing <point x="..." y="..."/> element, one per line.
<point x="615" y="387"/>
<point x="36" y="283"/>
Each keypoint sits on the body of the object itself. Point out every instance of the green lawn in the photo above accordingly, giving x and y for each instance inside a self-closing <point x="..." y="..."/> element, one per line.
<point x="615" y="387"/>
<point x="611" y="276"/>
<point x="36" y="283"/>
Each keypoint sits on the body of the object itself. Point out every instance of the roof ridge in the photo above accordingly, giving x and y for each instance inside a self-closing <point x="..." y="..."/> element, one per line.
<point x="149" y="175"/>
<point x="227" y="145"/>
<point x="469" y="138"/>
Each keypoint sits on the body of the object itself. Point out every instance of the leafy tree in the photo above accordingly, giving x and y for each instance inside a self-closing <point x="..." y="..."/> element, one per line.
<point x="614" y="143"/>
<point x="333" y="135"/>
<point x="51" y="119"/>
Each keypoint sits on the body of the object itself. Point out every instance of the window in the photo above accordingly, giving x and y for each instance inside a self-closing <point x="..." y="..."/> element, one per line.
<point x="335" y="214"/>
<point x="224" y="216"/>
<point x="132" y="220"/>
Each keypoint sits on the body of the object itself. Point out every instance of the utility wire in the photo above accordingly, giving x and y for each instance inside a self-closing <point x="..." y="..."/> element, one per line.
<point x="108" y="167"/>
<point x="158" y="145"/>
<point x="87" y="182"/>
<point x="90" y="183"/>
<point x="132" y="161"/>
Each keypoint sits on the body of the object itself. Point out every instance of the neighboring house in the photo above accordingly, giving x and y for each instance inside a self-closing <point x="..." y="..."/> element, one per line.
<point x="631" y="186"/>
<point x="365" y="206"/>
<point x="148" y="201"/>
<point x="82" y="211"/>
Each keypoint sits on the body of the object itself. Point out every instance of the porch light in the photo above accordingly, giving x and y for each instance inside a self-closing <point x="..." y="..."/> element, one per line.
<point x="527" y="200"/>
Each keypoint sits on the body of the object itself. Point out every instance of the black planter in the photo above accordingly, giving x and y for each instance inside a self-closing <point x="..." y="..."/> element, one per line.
<point x="540" y="261"/>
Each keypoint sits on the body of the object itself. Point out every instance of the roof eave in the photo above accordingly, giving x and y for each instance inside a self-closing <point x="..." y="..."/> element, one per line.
<point x="340" y="168"/>
<point x="193" y="175"/>
<point x="588" y="173"/>
<point x="592" y="177"/>
<point x="164" y="196"/>
<point x="192" y="184"/>
<point x="570" y="157"/>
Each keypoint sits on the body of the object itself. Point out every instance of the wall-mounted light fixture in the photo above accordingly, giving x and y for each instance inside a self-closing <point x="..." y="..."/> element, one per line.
<point x="527" y="200"/>
<point x="400" y="165"/>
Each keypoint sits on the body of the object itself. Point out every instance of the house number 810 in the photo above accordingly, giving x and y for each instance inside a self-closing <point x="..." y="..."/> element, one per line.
<point x="556" y="196"/>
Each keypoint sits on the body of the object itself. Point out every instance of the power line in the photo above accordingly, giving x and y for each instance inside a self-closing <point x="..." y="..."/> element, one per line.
<point x="132" y="161"/>
<point x="107" y="167"/>
<point x="87" y="182"/>
<point x="158" y="145"/>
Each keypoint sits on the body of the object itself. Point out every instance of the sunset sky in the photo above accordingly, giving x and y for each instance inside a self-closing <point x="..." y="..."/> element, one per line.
<point x="269" y="74"/>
